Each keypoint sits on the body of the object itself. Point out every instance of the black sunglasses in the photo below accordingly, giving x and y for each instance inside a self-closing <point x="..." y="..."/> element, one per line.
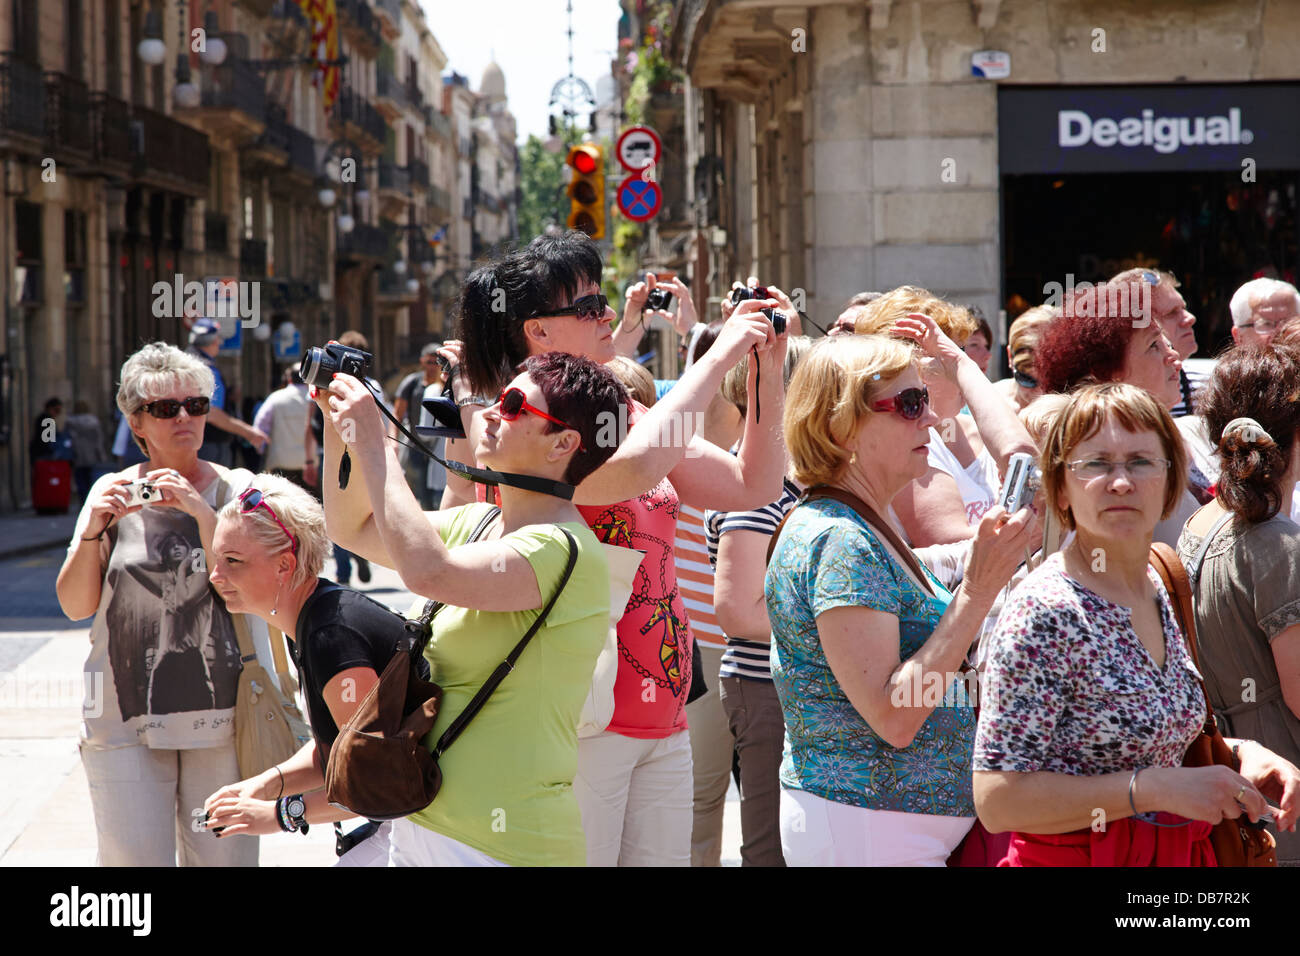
<point x="588" y="307"/>
<point x="169" y="407"/>
<point x="1024" y="379"/>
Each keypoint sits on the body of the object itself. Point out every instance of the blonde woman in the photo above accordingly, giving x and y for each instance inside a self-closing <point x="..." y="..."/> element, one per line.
<point x="163" y="656"/>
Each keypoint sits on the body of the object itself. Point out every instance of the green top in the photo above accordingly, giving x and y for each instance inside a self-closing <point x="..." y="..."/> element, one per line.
<point x="507" y="781"/>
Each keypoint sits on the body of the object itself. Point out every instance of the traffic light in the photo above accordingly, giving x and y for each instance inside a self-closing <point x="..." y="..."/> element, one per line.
<point x="587" y="190"/>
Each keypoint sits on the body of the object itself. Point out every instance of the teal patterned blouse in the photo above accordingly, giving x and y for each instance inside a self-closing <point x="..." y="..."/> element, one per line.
<point x="829" y="557"/>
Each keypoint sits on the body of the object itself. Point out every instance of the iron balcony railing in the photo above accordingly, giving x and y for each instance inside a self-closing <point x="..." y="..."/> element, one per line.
<point x="67" y="106"/>
<point x="110" y="121"/>
<point x="22" y="97"/>
<point x="392" y="176"/>
<point x="419" y="171"/>
<point x="234" y="85"/>
<point x="387" y="86"/>
<point x="439" y="199"/>
<point x="171" y="148"/>
<point x="364" y="240"/>
<point x="438" y="121"/>
<point x="252" y="258"/>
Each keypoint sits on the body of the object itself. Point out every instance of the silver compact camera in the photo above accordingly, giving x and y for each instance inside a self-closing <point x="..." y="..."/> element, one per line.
<point x="142" y="492"/>
<point x="1022" y="481"/>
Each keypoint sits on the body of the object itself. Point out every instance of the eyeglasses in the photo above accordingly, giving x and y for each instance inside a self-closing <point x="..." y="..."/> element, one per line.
<point x="251" y="500"/>
<point x="511" y="405"/>
<point x="1263" y="328"/>
<point x="909" y="404"/>
<point x="1024" y="379"/>
<point x="588" y="308"/>
<point x="1136" y="468"/>
<point x="169" y="407"/>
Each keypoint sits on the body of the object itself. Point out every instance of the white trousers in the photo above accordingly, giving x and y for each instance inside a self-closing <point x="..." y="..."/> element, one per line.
<point x="820" y="832"/>
<point x="636" y="798"/>
<point x="145" y="802"/>
<point x="413" y="845"/>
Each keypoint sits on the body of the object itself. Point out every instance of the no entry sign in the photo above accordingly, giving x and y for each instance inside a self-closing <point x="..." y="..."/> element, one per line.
<point x="639" y="200"/>
<point x="637" y="148"/>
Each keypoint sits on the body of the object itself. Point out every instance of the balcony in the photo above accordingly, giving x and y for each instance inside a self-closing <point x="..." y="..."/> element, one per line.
<point x="361" y="25"/>
<point x="170" y="154"/>
<point x="359" y="118"/>
<point x="272" y="147"/>
<point x="67" y="104"/>
<point x="414" y="98"/>
<point x="388" y="13"/>
<point x="439" y="201"/>
<point x="419" y="173"/>
<point x="233" y="105"/>
<point x="22" y="105"/>
<point x="216" y="233"/>
<point x="393" y="291"/>
<point x="437" y="123"/>
<point x="394" y="189"/>
<point x="110" y="124"/>
<point x="363" y="242"/>
<point x="390" y="95"/>
<point x="252" y="258"/>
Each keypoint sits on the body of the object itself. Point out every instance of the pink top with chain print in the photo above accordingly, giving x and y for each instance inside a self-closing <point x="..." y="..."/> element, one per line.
<point x="654" y="634"/>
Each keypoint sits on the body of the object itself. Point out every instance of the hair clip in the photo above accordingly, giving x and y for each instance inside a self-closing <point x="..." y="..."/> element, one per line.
<point x="876" y="377"/>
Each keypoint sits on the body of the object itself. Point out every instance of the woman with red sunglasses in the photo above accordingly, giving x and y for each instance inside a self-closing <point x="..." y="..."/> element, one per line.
<point x="508" y="794"/>
<point x="164" y="662"/>
<point x="868" y="645"/>
<point x="635" y="778"/>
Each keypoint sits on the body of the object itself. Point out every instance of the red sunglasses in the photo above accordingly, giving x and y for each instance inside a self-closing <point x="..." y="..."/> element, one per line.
<point x="908" y="404"/>
<point x="511" y="405"/>
<point x="251" y="500"/>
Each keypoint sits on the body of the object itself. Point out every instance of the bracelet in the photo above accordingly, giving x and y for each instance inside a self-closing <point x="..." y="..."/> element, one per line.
<point x="1132" y="782"/>
<point x="96" y="537"/>
<point x="281" y="773"/>
<point x="281" y="816"/>
<point x="1236" y="747"/>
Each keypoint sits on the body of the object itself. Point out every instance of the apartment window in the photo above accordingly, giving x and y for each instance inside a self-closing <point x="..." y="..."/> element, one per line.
<point x="26" y="30"/>
<point x="113" y="46"/>
<point x="29" y="272"/>
<point x="74" y="257"/>
<point x="74" y="28"/>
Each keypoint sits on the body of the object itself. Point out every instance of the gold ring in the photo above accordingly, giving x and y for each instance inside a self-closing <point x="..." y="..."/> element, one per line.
<point x="1239" y="794"/>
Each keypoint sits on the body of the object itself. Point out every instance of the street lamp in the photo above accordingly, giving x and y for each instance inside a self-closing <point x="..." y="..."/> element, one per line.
<point x="346" y="222"/>
<point x="400" y="267"/>
<point x="214" y="48"/>
<point x="413" y="286"/>
<point x="151" y="49"/>
<point x="326" y="197"/>
<point x="185" y="93"/>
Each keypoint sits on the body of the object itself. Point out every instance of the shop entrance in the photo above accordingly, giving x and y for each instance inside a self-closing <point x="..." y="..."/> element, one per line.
<point x="1209" y="229"/>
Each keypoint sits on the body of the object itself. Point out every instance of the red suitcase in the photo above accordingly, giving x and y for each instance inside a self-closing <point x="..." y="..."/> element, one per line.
<point x="51" y="486"/>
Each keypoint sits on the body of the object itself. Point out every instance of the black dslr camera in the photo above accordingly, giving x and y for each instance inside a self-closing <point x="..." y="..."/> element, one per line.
<point x="778" y="320"/>
<point x="658" y="299"/>
<point x="740" y="294"/>
<point x="319" y="365"/>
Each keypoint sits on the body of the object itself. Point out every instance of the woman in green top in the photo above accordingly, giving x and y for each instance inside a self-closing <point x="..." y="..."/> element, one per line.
<point x="507" y="792"/>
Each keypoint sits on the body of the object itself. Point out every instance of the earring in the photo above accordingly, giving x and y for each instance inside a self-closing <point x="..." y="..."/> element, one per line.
<point x="277" y="599"/>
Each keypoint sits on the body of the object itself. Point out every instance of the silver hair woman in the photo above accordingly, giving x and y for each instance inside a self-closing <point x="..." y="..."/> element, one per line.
<point x="163" y="660"/>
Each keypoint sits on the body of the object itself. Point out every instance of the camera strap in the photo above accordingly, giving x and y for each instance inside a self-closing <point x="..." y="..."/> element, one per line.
<point x="484" y="476"/>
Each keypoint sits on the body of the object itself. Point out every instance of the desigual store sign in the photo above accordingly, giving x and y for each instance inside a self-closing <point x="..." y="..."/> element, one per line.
<point x="1125" y="129"/>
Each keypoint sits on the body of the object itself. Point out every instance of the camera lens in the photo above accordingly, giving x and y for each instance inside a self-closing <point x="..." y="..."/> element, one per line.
<point x="777" y="319"/>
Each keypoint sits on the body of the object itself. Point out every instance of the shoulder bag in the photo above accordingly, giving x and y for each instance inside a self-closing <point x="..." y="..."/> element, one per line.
<point x="1237" y="842"/>
<point x="378" y="767"/>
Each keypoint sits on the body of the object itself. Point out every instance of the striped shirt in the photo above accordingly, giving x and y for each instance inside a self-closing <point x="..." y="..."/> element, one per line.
<point x="742" y="658"/>
<point x="1191" y="379"/>
<point x="695" y="576"/>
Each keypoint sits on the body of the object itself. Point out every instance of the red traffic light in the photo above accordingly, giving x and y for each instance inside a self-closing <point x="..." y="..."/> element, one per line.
<point x="584" y="159"/>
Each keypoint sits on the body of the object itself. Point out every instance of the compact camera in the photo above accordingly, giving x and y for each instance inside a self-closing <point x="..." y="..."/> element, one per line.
<point x="319" y="365"/>
<point x="778" y="320"/>
<point x="740" y="294"/>
<point x="658" y="299"/>
<point x="142" y="492"/>
<point x="1021" y="483"/>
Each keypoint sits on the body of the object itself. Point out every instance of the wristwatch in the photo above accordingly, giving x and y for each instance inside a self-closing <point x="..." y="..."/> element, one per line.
<point x="295" y="812"/>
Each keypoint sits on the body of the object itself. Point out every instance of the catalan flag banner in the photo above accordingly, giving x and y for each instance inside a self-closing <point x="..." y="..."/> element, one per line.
<point x="324" y="18"/>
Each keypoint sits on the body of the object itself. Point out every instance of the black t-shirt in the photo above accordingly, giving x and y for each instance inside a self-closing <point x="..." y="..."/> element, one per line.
<point x="340" y="628"/>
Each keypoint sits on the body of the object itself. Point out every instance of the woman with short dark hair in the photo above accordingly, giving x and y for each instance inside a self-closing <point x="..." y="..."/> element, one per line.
<point x="1243" y="552"/>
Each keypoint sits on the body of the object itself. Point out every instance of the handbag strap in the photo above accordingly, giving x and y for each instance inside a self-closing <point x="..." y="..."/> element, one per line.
<point x="422" y="627"/>
<point x="505" y="667"/>
<point x="867" y="514"/>
<point x="1194" y="573"/>
<point x="1170" y="568"/>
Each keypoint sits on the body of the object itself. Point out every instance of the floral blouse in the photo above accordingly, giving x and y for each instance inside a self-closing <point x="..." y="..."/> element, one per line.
<point x="1070" y="688"/>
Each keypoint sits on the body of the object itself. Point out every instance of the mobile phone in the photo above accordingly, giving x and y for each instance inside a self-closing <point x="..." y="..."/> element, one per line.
<point x="1021" y="482"/>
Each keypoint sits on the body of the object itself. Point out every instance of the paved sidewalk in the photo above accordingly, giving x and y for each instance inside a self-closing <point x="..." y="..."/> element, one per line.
<point x="25" y="532"/>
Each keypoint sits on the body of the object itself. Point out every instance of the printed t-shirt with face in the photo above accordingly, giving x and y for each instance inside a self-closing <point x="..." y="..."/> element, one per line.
<point x="164" y="661"/>
<point x="507" y="781"/>
<point x="654" y="634"/>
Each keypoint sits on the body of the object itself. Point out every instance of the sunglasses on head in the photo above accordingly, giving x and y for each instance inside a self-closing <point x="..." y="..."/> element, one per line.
<point x="251" y="500"/>
<point x="588" y="308"/>
<point x="1024" y="379"/>
<point x="511" y="404"/>
<point x="908" y="404"/>
<point x="170" y="407"/>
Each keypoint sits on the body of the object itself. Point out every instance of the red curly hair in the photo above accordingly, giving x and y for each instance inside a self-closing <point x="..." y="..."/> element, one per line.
<point x="1089" y="342"/>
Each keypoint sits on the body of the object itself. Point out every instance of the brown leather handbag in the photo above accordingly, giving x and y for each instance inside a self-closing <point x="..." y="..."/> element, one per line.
<point x="1236" y="842"/>
<point x="378" y="766"/>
